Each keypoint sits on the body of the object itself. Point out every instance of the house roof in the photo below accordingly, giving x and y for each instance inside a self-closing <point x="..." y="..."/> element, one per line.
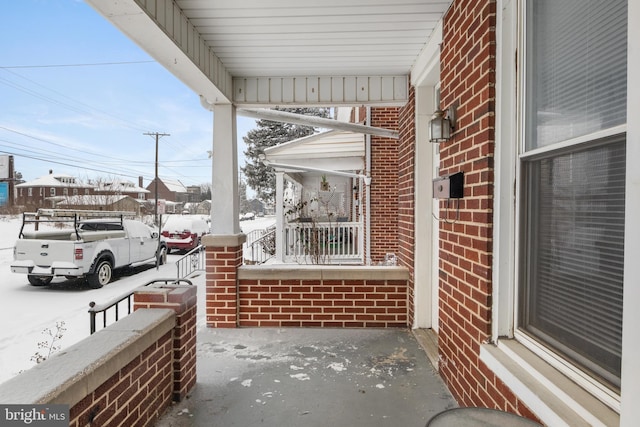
<point x="54" y="180"/>
<point x="93" y="200"/>
<point x="331" y="150"/>
<point x="121" y="186"/>
<point x="174" y="186"/>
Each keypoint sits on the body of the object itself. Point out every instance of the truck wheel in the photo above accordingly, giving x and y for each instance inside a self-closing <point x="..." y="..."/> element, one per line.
<point x="102" y="275"/>
<point x="39" y="280"/>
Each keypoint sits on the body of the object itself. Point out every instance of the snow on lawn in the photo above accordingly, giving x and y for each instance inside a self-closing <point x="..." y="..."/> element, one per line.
<point x="26" y="311"/>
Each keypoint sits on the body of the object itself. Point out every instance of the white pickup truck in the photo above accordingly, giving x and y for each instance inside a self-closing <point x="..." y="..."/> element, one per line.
<point x="93" y="248"/>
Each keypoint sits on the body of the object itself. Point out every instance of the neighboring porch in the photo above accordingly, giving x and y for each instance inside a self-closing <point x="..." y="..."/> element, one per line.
<point x="321" y="182"/>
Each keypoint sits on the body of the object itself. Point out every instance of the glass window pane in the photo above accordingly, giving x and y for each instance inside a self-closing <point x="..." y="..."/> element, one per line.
<point x="574" y="254"/>
<point x="576" y="68"/>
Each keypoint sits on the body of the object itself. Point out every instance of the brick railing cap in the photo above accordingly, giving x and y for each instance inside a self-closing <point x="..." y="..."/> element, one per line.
<point x="223" y="240"/>
<point x="323" y="272"/>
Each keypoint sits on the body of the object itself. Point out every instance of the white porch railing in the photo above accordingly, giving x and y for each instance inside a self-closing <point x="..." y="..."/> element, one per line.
<point x="324" y="243"/>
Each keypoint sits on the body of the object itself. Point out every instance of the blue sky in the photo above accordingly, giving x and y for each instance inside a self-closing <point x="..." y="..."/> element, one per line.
<point x="63" y="108"/>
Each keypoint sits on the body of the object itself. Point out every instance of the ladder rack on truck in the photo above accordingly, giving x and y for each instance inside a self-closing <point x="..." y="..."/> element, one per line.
<point x="68" y="216"/>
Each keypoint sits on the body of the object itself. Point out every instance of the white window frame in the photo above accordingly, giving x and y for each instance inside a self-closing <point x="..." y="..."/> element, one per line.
<point x="530" y="370"/>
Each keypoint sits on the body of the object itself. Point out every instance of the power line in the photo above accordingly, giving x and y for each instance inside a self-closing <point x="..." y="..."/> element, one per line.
<point x="120" y="161"/>
<point x="82" y="108"/>
<point x="48" y="160"/>
<point x="90" y="64"/>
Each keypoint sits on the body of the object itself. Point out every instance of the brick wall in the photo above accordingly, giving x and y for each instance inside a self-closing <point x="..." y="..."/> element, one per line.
<point x="143" y="389"/>
<point x="465" y="258"/>
<point x="125" y="374"/>
<point x="183" y="301"/>
<point x="136" y="395"/>
<point x="223" y="257"/>
<point x="384" y="186"/>
<point x="323" y="296"/>
<point x="406" y="194"/>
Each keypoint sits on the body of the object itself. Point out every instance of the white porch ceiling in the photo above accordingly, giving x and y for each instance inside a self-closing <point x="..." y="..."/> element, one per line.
<point x="275" y="52"/>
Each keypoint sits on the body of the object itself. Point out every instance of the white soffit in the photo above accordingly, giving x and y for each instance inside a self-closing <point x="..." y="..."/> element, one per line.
<point x="277" y="52"/>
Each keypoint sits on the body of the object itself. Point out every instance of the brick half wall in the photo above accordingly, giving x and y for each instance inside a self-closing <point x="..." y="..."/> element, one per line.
<point x="125" y="374"/>
<point x="323" y="296"/>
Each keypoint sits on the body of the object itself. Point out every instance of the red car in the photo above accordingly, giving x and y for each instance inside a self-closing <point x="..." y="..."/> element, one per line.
<point x="183" y="232"/>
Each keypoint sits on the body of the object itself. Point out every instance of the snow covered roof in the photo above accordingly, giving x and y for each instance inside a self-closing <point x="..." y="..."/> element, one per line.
<point x="332" y="150"/>
<point x="121" y="186"/>
<point x="54" y="180"/>
<point x="174" y="186"/>
<point x="93" y="200"/>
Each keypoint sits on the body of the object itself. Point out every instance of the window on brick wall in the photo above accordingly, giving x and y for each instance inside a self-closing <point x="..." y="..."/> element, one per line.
<point x="573" y="182"/>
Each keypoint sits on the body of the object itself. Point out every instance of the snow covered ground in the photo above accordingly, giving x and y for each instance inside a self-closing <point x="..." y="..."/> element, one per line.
<point x="26" y="311"/>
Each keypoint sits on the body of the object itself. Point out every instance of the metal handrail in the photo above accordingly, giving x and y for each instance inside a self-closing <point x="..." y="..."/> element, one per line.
<point x="192" y="261"/>
<point x="258" y="254"/>
<point x="94" y="308"/>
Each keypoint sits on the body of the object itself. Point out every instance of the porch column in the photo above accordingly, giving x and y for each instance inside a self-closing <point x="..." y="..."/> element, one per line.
<point x="279" y="216"/>
<point x="225" y="206"/>
<point x="224" y="245"/>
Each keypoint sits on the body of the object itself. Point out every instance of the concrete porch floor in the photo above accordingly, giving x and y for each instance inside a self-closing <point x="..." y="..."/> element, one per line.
<point x="310" y="377"/>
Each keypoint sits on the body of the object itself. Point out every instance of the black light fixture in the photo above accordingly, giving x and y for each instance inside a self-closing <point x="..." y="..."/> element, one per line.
<point x="442" y="125"/>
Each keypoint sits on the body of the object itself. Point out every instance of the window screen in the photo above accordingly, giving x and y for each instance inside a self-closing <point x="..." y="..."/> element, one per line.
<point x="573" y="193"/>
<point x="575" y="250"/>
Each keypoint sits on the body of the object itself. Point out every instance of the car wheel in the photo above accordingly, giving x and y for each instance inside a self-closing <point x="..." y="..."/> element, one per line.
<point x="102" y="275"/>
<point x="39" y="280"/>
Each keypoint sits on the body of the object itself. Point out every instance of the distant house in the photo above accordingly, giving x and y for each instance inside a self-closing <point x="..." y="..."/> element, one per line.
<point x="47" y="190"/>
<point x="170" y="190"/>
<point x="204" y="207"/>
<point x="195" y="193"/>
<point x="122" y="187"/>
<point x="101" y="202"/>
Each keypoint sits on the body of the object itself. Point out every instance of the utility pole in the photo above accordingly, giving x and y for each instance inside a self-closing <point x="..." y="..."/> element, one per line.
<point x="157" y="135"/>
